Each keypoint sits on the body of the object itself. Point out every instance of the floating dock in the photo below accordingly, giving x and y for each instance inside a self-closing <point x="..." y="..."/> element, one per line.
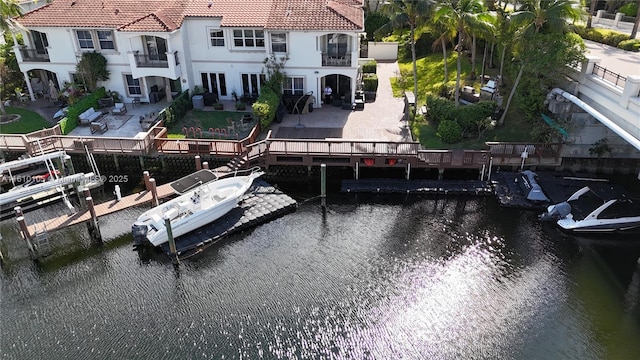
<point x="260" y="204"/>
<point x="448" y="187"/>
<point x="556" y="187"/>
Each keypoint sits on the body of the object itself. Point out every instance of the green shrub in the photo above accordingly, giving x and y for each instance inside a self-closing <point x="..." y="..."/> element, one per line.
<point x="629" y="9"/>
<point x="81" y="106"/>
<point x="602" y="36"/>
<point x="449" y="131"/>
<point x="177" y="109"/>
<point x="630" y="45"/>
<point x="265" y="107"/>
<point x="370" y="67"/>
<point x="372" y="22"/>
<point x="440" y="109"/>
<point x="370" y="82"/>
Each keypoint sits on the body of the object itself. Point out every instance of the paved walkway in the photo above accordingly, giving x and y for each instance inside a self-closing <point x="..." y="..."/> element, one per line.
<point x="617" y="60"/>
<point x="380" y="120"/>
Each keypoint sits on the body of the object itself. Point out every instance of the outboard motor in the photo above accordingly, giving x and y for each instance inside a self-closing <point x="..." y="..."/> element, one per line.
<point x="139" y="232"/>
<point x="556" y="212"/>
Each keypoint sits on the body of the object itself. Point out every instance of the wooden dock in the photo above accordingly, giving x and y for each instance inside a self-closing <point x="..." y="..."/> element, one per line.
<point x="450" y="187"/>
<point x="102" y="209"/>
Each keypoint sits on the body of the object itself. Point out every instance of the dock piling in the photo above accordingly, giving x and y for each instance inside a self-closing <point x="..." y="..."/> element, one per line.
<point x="357" y="170"/>
<point x="408" y="176"/>
<point x="490" y="166"/>
<point x="145" y="178"/>
<point x="323" y="185"/>
<point x="92" y="225"/>
<point x="172" y="242"/>
<point x="154" y="193"/>
<point x="205" y="165"/>
<point x="198" y="163"/>
<point x="24" y="230"/>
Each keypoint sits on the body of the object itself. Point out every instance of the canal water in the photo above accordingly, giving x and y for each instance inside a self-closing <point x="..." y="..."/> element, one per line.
<point x="373" y="277"/>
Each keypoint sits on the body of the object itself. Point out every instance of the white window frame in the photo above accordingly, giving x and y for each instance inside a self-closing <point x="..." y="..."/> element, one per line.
<point x="128" y="87"/>
<point x="89" y="39"/>
<point x="109" y="38"/>
<point x="248" y="39"/>
<point x="217" y="41"/>
<point x="277" y="40"/>
<point x="293" y="85"/>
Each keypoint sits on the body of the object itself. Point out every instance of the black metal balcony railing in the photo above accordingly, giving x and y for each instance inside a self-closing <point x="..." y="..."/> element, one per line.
<point x="608" y="75"/>
<point x="39" y="55"/>
<point x="151" y="61"/>
<point x="336" y="59"/>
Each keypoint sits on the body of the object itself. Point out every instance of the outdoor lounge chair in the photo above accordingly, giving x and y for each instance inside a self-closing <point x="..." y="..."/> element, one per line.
<point x="119" y="109"/>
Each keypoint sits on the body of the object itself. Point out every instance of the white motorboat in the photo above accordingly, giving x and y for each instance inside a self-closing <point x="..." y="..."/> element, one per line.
<point x="199" y="204"/>
<point x="593" y="210"/>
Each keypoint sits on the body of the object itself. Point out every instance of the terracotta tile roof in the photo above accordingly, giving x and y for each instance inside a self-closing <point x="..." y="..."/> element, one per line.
<point x="315" y="15"/>
<point x="167" y="15"/>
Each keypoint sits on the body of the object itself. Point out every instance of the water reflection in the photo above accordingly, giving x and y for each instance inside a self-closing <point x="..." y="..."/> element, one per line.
<point x="376" y="277"/>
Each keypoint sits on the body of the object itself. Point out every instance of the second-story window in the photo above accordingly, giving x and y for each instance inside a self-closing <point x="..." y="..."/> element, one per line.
<point x="217" y="37"/>
<point x="105" y="38"/>
<point x="248" y="38"/>
<point x="279" y="43"/>
<point x="85" y="41"/>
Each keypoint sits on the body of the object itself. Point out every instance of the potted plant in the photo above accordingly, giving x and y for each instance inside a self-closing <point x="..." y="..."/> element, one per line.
<point x="218" y="106"/>
<point x="240" y="106"/>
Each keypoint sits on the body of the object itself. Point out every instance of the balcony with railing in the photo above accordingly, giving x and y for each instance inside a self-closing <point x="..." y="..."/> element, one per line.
<point x="336" y="59"/>
<point x="33" y="55"/>
<point x="166" y="65"/>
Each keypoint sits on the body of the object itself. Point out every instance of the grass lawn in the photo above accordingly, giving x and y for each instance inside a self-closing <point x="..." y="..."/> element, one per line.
<point x="431" y="75"/>
<point x="204" y="120"/>
<point x="515" y="129"/>
<point x="29" y="121"/>
<point x="430" y="78"/>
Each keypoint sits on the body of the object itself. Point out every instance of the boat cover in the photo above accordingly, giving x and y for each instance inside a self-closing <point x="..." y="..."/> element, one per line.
<point x="189" y="182"/>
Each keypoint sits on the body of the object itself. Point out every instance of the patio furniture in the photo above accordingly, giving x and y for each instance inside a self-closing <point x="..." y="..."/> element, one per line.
<point x="98" y="126"/>
<point x="136" y="102"/>
<point x="89" y="116"/>
<point x="21" y="96"/>
<point x="119" y="109"/>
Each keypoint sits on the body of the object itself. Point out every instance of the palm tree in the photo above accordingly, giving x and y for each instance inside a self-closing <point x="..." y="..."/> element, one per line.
<point x="447" y="33"/>
<point x="8" y="9"/>
<point x="412" y="13"/>
<point x="535" y="17"/>
<point x="465" y="16"/>
<point x="634" y="31"/>
<point x="592" y="8"/>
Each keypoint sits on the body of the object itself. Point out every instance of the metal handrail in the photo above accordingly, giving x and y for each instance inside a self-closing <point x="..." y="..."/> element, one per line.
<point x="608" y="75"/>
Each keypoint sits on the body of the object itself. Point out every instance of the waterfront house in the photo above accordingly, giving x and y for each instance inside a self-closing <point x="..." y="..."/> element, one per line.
<point x="155" y="48"/>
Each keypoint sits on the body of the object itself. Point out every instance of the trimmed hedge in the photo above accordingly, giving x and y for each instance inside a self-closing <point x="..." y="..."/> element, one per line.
<point x="630" y="45"/>
<point x="370" y="82"/>
<point x="70" y="122"/>
<point x="177" y="109"/>
<point x="370" y="67"/>
<point x="265" y="107"/>
<point x="603" y="36"/>
<point x="469" y="119"/>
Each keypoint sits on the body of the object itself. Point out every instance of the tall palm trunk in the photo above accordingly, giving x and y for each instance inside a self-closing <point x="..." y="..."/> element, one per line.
<point x="513" y="91"/>
<point x="484" y="60"/>
<point x="634" y="31"/>
<point x="444" y="56"/>
<point x="413" y="58"/>
<point x="493" y="46"/>
<point x="504" y="52"/>
<point x="459" y="64"/>
<point x="473" y="57"/>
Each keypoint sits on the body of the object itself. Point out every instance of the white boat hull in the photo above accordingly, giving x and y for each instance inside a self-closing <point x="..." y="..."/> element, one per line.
<point x="192" y="210"/>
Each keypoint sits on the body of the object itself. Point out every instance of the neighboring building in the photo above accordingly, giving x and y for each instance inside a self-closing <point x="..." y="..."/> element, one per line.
<point x="153" y="46"/>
